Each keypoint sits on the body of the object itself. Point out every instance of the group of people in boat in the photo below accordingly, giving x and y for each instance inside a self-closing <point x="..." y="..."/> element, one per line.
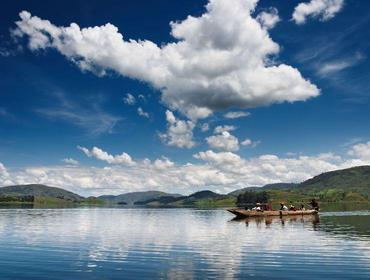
<point x="314" y="205"/>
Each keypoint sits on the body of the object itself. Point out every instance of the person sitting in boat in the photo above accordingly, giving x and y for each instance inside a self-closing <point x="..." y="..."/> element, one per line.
<point x="283" y="207"/>
<point x="302" y="207"/>
<point x="291" y="206"/>
<point x="268" y="207"/>
<point x="257" y="207"/>
<point x="314" y="205"/>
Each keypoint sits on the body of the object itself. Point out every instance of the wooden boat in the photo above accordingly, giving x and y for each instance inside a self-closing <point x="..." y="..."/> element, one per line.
<point x="314" y="219"/>
<point x="241" y="213"/>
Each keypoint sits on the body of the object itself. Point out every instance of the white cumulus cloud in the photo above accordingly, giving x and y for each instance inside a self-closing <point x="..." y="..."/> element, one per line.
<point x="204" y="127"/>
<point x="361" y="150"/>
<point x="163" y="163"/>
<point x="142" y="113"/>
<point x="179" y="132"/>
<point x="129" y="99"/>
<point x="99" y="154"/>
<point x="218" y="171"/>
<point x="220" y="158"/>
<point x="4" y="176"/>
<point x="218" y="60"/>
<point x="248" y="142"/>
<point x="268" y="19"/>
<point x="322" y="9"/>
<point x="224" y="141"/>
<point x="222" y="128"/>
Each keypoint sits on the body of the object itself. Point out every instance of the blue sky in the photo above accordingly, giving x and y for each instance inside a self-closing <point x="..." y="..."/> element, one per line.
<point x="301" y="80"/>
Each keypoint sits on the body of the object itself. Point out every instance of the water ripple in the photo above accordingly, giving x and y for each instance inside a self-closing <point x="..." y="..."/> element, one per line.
<point x="108" y="243"/>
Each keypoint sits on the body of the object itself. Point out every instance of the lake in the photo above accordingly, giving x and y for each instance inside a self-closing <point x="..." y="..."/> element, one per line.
<point x="117" y="243"/>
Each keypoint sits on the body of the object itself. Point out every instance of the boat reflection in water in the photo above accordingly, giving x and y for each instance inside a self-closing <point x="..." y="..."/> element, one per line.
<point x="269" y="220"/>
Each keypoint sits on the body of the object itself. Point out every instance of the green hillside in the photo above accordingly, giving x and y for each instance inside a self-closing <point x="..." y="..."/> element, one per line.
<point x="134" y="197"/>
<point x="39" y="191"/>
<point x="42" y="195"/>
<point x="276" y="186"/>
<point x="347" y="185"/>
<point x="247" y="189"/>
<point x="198" y="199"/>
<point x="352" y="184"/>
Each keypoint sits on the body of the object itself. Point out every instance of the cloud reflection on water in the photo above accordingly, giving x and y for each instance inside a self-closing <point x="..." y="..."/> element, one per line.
<point x="178" y="242"/>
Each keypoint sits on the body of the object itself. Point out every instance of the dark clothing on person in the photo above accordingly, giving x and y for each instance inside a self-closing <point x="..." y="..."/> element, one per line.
<point x="315" y="205"/>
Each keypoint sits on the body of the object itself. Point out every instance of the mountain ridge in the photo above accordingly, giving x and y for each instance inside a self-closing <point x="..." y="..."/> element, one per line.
<point x="39" y="190"/>
<point x="131" y="197"/>
<point x="350" y="184"/>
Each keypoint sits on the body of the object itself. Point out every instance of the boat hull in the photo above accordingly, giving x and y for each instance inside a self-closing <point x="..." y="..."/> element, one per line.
<point x="252" y="213"/>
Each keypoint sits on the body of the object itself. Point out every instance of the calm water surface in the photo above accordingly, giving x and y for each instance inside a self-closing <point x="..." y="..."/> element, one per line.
<point x="108" y="243"/>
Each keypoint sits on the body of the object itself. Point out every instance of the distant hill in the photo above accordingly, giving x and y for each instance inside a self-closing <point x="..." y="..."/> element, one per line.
<point x="198" y="199"/>
<point x="243" y="190"/>
<point x="352" y="184"/>
<point x="276" y="186"/>
<point x="39" y="191"/>
<point x="356" y="178"/>
<point x="204" y="195"/>
<point x="133" y="197"/>
<point x="346" y="184"/>
<point x="159" y="201"/>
